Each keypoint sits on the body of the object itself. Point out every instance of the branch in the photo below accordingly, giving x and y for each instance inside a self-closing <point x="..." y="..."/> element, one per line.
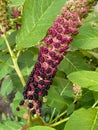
<point x="14" y="59"/>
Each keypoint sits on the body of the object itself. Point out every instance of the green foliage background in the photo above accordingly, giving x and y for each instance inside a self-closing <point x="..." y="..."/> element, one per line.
<point x="79" y="66"/>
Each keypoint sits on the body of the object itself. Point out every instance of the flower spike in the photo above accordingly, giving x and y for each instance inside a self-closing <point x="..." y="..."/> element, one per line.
<point x="55" y="46"/>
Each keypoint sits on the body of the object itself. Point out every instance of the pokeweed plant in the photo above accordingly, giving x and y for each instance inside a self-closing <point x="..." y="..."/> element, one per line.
<point x="64" y="79"/>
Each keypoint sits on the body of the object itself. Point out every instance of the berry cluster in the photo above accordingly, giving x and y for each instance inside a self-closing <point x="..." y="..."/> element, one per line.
<point x="3" y="17"/>
<point x="55" y="46"/>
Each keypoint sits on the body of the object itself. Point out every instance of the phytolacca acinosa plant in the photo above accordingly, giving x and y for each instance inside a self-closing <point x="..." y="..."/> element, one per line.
<point x="55" y="46"/>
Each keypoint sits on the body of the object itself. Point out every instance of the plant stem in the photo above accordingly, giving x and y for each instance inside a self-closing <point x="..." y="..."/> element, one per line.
<point x="52" y="115"/>
<point x="7" y="64"/>
<point x="14" y="59"/>
<point x="59" y="122"/>
<point x="95" y="104"/>
<point x="37" y="120"/>
<point x="59" y="116"/>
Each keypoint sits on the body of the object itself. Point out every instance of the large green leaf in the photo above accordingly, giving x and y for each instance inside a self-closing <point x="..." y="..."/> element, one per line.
<point x="60" y="94"/>
<point x="41" y="128"/>
<point x="88" y="33"/>
<point x="85" y="79"/>
<point x="87" y="100"/>
<point x="37" y="18"/>
<point x="73" y="62"/>
<point x="83" y="120"/>
<point x="55" y="100"/>
<point x="87" y="38"/>
<point x="63" y="87"/>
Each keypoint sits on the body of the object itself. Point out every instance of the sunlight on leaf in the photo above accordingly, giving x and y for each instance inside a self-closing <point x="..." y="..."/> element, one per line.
<point x="83" y="119"/>
<point x="85" y="79"/>
<point x="37" y="18"/>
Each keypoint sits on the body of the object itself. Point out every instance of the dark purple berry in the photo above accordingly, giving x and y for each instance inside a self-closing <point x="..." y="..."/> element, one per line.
<point x="33" y="112"/>
<point x="44" y="50"/>
<point x="29" y="88"/>
<point x="35" y="84"/>
<point x="21" y="102"/>
<point x="25" y="96"/>
<point x="30" y="105"/>
<point x="36" y="90"/>
<point x="25" y="88"/>
<point x="24" y="93"/>
<point x="59" y="29"/>
<point x="37" y="65"/>
<point x="54" y="65"/>
<point x="17" y="109"/>
<point x="48" y="70"/>
<point x="52" y="53"/>
<point x="50" y="62"/>
<point x="42" y="69"/>
<point x="50" y="40"/>
<point x="37" y="73"/>
<point x="44" y="92"/>
<point x="35" y="96"/>
<point x="30" y="97"/>
<point x="56" y="57"/>
<point x="55" y="24"/>
<point x="47" y="86"/>
<point x="31" y="79"/>
<point x="59" y="37"/>
<point x="49" y="77"/>
<point x="41" y="59"/>
<point x="41" y="82"/>
<point x="54" y="33"/>
<point x="42" y="75"/>
<point x="39" y="103"/>
<point x="56" y="45"/>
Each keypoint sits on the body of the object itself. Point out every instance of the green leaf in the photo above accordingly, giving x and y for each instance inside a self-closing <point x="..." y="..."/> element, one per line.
<point x="63" y="86"/>
<point x="26" y="62"/>
<point x="55" y="100"/>
<point x="85" y="79"/>
<point x="41" y="128"/>
<point x="1" y="41"/>
<point x="87" y="99"/>
<point x="73" y="62"/>
<point x="37" y="18"/>
<point x="11" y="40"/>
<point x="16" y="3"/>
<point x="94" y="54"/>
<point x="15" y="104"/>
<point x="87" y="38"/>
<point x="92" y="18"/>
<point x="60" y="94"/>
<point x="70" y="109"/>
<point x="5" y="60"/>
<point x="7" y="86"/>
<point x="10" y="125"/>
<point x="16" y="81"/>
<point x="83" y="119"/>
